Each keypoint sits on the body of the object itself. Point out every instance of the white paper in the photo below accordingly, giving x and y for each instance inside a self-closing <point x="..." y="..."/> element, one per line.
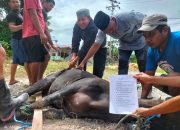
<point x="123" y="94"/>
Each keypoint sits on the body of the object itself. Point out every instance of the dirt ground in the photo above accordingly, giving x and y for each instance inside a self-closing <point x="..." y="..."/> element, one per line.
<point x="66" y="124"/>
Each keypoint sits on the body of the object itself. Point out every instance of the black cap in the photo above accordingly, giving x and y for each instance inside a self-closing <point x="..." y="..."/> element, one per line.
<point x="101" y="20"/>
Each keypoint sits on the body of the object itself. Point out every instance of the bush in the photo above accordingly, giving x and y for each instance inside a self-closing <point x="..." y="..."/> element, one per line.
<point x="5" y="36"/>
<point x="7" y="47"/>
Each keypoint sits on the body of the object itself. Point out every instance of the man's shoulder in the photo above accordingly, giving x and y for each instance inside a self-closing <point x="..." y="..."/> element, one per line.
<point x="176" y="35"/>
<point x="10" y="16"/>
<point x="92" y="28"/>
<point x="76" y="27"/>
<point x="175" y="38"/>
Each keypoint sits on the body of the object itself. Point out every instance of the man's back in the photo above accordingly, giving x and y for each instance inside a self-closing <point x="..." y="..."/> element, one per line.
<point x="127" y="24"/>
<point x="28" y="27"/>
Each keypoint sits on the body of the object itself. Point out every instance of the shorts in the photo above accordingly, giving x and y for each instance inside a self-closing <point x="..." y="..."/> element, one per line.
<point x="34" y="50"/>
<point x="18" y="54"/>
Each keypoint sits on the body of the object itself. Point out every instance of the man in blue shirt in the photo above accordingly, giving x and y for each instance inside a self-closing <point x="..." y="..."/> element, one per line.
<point x="164" y="51"/>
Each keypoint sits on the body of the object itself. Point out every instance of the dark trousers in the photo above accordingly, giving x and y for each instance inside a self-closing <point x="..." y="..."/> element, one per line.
<point x="99" y="62"/>
<point x="124" y="56"/>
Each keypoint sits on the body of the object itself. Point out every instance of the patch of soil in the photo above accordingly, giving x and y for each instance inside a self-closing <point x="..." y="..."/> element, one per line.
<point x="67" y="124"/>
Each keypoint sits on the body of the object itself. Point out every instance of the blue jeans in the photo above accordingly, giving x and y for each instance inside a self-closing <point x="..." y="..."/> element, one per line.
<point x="124" y="56"/>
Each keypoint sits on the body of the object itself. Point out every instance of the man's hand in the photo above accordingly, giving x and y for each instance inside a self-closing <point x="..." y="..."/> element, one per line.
<point x="43" y="38"/>
<point x="81" y="66"/>
<point x="143" y="112"/>
<point x="143" y="78"/>
<point x="56" y="48"/>
<point x="73" y="57"/>
<point x="72" y="63"/>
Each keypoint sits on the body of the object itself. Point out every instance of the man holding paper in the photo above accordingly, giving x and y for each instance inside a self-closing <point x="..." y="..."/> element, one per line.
<point x="170" y="106"/>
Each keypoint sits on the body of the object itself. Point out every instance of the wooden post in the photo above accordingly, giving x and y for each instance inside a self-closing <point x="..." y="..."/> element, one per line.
<point x="38" y="116"/>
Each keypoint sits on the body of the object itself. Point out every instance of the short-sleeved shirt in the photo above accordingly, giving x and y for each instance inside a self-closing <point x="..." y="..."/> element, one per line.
<point x="127" y="25"/>
<point x="169" y="59"/>
<point x="88" y="36"/>
<point x="28" y="27"/>
<point x="16" y="18"/>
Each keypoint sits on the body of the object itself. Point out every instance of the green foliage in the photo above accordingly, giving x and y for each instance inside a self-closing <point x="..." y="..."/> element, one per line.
<point x="7" y="47"/>
<point x="5" y="36"/>
<point x="114" y="49"/>
<point x="133" y="58"/>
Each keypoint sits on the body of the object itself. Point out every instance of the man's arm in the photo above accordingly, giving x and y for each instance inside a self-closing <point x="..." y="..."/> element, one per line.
<point x="48" y="34"/>
<point x="169" y="106"/>
<point x="35" y="20"/>
<point x="14" y="28"/>
<point x="146" y="88"/>
<point x="173" y="81"/>
<point x="100" y="37"/>
<point x="92" y="51"/>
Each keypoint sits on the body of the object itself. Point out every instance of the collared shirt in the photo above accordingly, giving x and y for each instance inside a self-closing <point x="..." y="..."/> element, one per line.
<point x="88" y="36"/>
<point x="127" y="25"/>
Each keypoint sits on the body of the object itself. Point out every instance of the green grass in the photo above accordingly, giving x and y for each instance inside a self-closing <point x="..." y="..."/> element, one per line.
<point x="56" y="66"/>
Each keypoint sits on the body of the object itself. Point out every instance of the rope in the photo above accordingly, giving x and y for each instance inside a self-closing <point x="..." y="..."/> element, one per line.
<point x="152" y="117"/>
<point x="23" y="124"/>
<point x="147" y="121"/>
<point x="140" y="124"/>
<point x="121" y="121"/>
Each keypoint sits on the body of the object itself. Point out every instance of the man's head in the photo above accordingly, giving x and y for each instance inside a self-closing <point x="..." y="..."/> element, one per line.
<point x="83" y="18"/>
<point x="105" y="23"/>
<point x="155" y="30"/>
<point x="14" y="4"/>
<point x="48" y="5"/>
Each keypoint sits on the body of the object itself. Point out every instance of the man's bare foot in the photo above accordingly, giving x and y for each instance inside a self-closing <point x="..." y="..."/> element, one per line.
<point x="13" y="82"/>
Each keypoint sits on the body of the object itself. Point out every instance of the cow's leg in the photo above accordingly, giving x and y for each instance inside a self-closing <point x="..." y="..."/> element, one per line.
<point x="47" y="100"/>
<point x="42" y="84"/>
<point x="70" y="90"/>
<point x="149" y="102"/>
<point x="53" y="113"/>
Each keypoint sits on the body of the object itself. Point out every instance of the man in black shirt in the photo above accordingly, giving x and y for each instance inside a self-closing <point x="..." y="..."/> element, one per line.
<point x="15" y="20"/>
<point x="86" y="30"/>
<point x="47" y="6"/>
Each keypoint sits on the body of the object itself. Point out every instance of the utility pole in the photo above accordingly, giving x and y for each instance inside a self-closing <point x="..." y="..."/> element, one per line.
<point x="114" y="5"/>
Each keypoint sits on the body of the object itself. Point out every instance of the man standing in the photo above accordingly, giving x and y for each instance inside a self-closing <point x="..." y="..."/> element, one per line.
<point x="123" y="27"/>
<point x="86" y="30"/>
<point x="34" y="37"/>
<point x="8" y="104"/>
<point x="15" y="20"/>
<point x="164" y="51"/>
<point x="47" y="6"/>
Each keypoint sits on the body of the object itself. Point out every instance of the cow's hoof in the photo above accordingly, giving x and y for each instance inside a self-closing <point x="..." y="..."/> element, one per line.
<point x="37" y="105"/>
<point x="53" y="113"/>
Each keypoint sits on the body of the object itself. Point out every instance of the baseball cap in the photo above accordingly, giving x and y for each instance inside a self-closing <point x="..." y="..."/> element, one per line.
<point x="151" y="22"/>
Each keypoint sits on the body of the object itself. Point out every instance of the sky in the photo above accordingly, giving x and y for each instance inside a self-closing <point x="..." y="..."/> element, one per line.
<point x="64" y="13"/>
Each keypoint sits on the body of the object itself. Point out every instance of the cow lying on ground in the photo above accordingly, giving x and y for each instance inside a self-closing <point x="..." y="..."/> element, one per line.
<point x="80" y="94"/>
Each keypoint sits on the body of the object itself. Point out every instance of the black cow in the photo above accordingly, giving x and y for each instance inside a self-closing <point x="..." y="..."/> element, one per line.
<point x="81" y="94"/>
